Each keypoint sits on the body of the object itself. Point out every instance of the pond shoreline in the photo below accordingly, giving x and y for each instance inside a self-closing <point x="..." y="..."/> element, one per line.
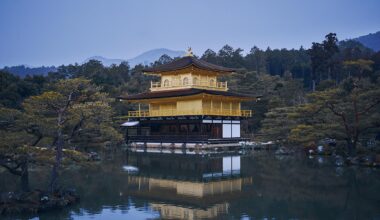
<point x="365" y="159"/>
<point x="36" y="201"/>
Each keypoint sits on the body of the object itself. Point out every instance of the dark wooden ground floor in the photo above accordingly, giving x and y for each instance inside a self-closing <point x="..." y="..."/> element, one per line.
<point x="185" y="130"/>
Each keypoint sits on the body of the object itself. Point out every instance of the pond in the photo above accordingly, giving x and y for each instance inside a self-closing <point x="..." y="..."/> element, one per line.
<point x="255" y="185"/>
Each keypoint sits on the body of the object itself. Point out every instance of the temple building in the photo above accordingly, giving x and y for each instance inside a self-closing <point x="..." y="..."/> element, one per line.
<point x="188" y="105"/>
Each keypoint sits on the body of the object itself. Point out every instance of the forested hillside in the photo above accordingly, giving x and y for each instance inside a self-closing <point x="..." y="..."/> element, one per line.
<point x="371" y="40"/>
<point x="331" y="90"/>
<point x="23" y="70"/>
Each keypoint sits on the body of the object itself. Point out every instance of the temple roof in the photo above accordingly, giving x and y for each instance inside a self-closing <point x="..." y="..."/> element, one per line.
<point x="183" y="92"/>
<point x="185" y="62"/>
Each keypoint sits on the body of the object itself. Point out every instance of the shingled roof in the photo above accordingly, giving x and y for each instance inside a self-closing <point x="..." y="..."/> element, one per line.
<point x="185" y="62"/>
<point x="183" y="92"/>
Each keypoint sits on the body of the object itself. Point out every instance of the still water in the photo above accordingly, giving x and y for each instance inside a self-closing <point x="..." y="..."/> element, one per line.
<point x="257" y="185"/>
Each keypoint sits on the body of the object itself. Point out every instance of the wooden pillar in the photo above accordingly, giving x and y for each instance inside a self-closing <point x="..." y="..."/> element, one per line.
<point x="201" y="128"/>
<point x="221" y="106"/>
<point x="139" y="110"/>
<point x="239" y="108"/>
<point x="187" y="130"/>
<point x="211" y="107"/>
<point x="230" y="108"/>
<point x="178" y="128"/>
<point x="212" y="128"/>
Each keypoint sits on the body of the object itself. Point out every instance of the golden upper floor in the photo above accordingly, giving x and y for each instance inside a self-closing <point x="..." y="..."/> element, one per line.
<point x="201" y="104"/>
<point x="188" y="72"/>
<point x="188" y="80"/>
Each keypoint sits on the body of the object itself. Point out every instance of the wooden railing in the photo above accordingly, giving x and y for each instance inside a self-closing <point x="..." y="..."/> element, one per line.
<point x="158" y="86"/>
<point x="175" y="112"/>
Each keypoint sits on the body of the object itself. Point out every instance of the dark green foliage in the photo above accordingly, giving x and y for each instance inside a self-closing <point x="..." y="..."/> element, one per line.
<point x="283" y="77"/>
<point x="209" y="56"/>
<point x="23" y="71"/>
<point x="14" y="90"/>
<point x="164" y="59"/>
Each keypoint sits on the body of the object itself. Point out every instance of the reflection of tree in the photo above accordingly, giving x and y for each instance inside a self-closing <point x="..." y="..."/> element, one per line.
<point x="298" y="188"/>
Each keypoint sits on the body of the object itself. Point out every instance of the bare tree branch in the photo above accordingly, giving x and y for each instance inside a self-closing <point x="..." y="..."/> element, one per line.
<point x="367" y="109"/>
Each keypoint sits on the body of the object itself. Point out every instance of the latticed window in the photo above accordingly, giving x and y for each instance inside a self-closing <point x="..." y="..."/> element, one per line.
<point x="195" y="81"/>
<point x="212" y="82"/>
<point x="166" y="83"/>
<point x="185" y="81"/>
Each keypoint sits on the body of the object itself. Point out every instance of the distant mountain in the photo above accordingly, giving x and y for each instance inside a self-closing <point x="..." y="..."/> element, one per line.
<point x="150" y="56"/>
<point x="23" y="70"/>
<point x="105" y="61"/>
<point x="371" y="41"/>
<point x="145" y="58"/>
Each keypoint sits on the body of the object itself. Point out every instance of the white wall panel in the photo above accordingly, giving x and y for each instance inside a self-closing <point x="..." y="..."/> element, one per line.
<point x="226" y="130"/>
<point x="235" y="130"/>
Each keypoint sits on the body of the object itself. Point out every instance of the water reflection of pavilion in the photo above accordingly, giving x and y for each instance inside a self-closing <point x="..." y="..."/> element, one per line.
<point x="187" y="187"/>
<point x="178" y="212"/>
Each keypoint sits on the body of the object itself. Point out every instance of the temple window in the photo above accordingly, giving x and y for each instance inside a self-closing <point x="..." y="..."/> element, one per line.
<point x="195" y="81"/>
<point x="166" y="83"/>
<point x="185" y="81"/>
<point x="212" y="82"/>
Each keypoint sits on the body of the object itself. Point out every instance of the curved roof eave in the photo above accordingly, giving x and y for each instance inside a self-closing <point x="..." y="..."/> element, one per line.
<point x="184" y="92"/>
<point x="185" y="62"/>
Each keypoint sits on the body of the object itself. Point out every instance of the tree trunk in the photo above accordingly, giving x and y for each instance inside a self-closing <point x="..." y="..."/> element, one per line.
<point x="313" y="85"/>
<point x="75" y="129"/>
<point x="25" y="176"/>
<point x="58" y="157"/>
<point x="355" y="138"/>
<point x="351" y="147"/>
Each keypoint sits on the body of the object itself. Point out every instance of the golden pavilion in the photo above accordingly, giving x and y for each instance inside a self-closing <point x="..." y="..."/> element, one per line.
<point x="188" y="105"/>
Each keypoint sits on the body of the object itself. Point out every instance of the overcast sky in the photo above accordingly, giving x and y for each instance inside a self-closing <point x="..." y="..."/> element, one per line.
<point x="52" y="32"/>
